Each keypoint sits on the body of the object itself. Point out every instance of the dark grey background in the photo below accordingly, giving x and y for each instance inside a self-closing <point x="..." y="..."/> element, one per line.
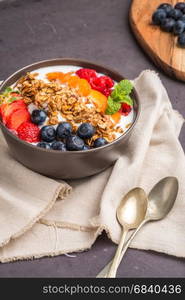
<point x="97" y="30"/>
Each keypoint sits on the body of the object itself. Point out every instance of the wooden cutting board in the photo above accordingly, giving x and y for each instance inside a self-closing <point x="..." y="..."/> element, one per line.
<point x="159" y="45"/>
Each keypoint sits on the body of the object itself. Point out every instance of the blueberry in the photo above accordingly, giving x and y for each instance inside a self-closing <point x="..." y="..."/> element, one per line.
<point x="158" y="16"/>
<point x="74" y="143"/>
<point x="85" y="131"/>
<point x="48" y="133"/>
<point x="38" y="116"/>
<point x="168" y="24"/>
<point x="166" y="7"/>
<point x="180" y="5"/>
<point x="176" y="14"/>
<point x="64" y="129"/>
<point x="44" y="145"/>
<point x="179" y="27"/>
<point x="56" y="145"/>
<point x="100" y="142"/>
<point x="183" y="18"/>
<point x="86" y="147"/>
<point x="181" y="40"/>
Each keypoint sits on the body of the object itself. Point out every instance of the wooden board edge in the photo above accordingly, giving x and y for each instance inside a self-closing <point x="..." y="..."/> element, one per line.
<point x="172" y="72"/>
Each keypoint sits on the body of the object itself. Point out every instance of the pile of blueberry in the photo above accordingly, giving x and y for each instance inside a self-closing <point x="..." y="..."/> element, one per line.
<point x="171" y="19"/>
<point x="63" y="138"/>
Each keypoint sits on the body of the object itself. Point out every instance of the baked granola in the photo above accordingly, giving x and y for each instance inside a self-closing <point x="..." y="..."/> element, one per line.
<point x="57" y="99"/>
<point x="74" y="110"/>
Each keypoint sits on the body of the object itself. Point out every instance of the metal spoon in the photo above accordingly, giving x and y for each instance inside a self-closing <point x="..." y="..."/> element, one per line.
<point x="130" y="213"/>
<point x="160" y="202"/>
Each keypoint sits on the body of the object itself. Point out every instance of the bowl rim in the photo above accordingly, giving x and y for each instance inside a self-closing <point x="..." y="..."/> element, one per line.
<point x="79" y="62"/>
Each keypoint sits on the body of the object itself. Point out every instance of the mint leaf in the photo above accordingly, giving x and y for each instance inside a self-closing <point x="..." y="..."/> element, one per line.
<point x="119" y="95"/>
<point x="128" y="100"/>
<point x="126" y="86"/>
<point x="8" y="90"/>
<point x="112" y="107"/>
<point x="12" y="99"/>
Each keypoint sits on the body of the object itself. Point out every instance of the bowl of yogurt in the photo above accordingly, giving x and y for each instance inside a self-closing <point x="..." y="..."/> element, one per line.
<point x="67" y="118"/>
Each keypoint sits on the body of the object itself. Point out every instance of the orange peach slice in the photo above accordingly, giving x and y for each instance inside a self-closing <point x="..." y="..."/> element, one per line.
<point x="116" y="117"/>
<point x="99" y="100"/>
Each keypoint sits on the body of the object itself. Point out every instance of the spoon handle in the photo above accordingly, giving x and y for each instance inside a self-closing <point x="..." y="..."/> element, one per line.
<point x="114" y="266"/>
<point x="104" y="271"/>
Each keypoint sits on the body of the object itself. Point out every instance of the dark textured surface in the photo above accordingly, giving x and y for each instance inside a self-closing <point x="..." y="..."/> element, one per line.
<point x="97" y="30"/>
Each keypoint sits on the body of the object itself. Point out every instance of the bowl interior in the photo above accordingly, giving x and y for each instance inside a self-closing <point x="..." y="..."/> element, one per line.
<point x="74" y="62"/>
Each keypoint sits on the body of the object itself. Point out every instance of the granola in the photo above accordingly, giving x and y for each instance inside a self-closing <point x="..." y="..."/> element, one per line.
<point x="65" y="101"/>
<point x="67" y="108"/>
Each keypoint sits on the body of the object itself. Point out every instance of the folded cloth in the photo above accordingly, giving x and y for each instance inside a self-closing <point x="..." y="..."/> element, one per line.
<point x="34" y="224"/>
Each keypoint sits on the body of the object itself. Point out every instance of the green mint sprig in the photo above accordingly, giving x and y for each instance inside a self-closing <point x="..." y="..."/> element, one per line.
<point x="120" y="94"/>
<point x="6" y="95"/>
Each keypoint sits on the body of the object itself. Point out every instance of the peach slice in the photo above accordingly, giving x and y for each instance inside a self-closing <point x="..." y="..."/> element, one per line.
<point x="54" y="76"/>
<point x="73" y="81"/>
<point x="99" y="100"/>
<point x="116" y="117"/>
<point x="84" y="87"/>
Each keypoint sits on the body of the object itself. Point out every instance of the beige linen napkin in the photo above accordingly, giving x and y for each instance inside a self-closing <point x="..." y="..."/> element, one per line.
<point x="33" y="224"/>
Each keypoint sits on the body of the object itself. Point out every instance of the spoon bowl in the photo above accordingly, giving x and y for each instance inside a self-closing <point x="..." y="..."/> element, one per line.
<point x="161" y="198"/>
<point x="132" y="208"/>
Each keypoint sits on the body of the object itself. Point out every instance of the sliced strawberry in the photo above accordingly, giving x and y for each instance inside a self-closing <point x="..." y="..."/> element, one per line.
<point x="17" y="95"/>
<point x="11" y="108"/>
<point x="3" y="108"/>
<point x="17" y="118"/>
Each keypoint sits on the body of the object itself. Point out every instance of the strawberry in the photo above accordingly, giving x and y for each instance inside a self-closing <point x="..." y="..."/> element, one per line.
<point x="3" y="108"/>
<point x="11" y="108"/>
<point x="17" y="118"/>
<point x="16" y="95"/>
<point x="29" y="132"/>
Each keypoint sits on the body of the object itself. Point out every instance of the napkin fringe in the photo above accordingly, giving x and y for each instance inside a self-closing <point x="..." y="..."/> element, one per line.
<point x="97" y="232"/>
<point x="56" y="253"/>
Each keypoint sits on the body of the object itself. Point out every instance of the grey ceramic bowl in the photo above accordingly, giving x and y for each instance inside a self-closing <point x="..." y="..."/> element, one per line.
<point x="70" y="164"/>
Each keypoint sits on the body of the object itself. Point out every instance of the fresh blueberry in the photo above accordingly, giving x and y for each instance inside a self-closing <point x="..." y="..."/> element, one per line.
<point x="179" y="27"/>
<point x="64" y="129"/>
<point x="100" y="142"/>
<point x="176" y="14"/>
<point x="48" y="133"/>
<point x="181" y="40"/>
<point x="180" y="5"/>
<point x="183" y="18"/>
<point x="86" y="147"/>
<point x="74" y="143"/>
<point x="44" y="145"/>
<point x="168" y="24"/>
<point x="166" y="6"/>
<point x="38" y="116"/>
<point x="56" y="145"/>
<point x="85" y="131"/>
<point x="158" y="16"/>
